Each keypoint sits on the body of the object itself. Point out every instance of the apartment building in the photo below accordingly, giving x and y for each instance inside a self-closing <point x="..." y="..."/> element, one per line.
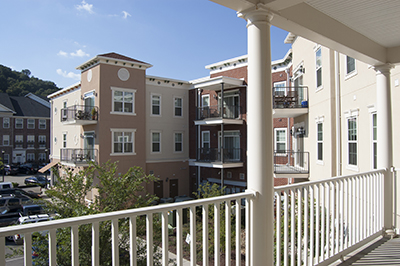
<point x="118" y="113"/>
<point x="24" y="129"/>
<point x="341" y="126"/>
<point x="218" y="130"/>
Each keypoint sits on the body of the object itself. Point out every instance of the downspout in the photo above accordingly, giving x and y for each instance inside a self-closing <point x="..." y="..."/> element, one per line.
<point x="288" y="87"/>
<point x="338" y="117"/>
<point x="222" y="135"/>
<point x="198" y="138"/>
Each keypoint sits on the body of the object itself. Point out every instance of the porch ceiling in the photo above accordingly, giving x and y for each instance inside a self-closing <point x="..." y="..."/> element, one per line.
<point x="367" y="30"/>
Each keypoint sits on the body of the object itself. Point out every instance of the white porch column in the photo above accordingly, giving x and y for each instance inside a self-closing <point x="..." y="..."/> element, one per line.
<point x="384" y="137"/>
<point x="260" y="135"/>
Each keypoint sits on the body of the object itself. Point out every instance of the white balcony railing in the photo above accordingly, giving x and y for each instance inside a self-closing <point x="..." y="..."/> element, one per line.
<point x="233" y="203"/>
<point x="319" y="223"/>
<point x="325" y="220"/>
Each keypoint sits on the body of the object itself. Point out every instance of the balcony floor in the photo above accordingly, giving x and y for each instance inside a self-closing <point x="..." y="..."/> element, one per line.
<point x="383" y="252"/>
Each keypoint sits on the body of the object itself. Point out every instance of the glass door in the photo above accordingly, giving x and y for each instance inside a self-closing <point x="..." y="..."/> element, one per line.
<point x="88" y="146"/>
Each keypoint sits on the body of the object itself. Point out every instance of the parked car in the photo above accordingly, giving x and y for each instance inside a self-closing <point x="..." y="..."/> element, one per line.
<point x="18" y="191"/>
<point x="36" y="180"/>
<point x="19" y="238"/>
<point x="28" y="168"/>
<point x="10" y="170"/>
<point x="14" y="200"/>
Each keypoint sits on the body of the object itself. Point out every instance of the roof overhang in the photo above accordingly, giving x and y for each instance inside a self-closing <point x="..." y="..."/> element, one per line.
<point x="214" y="84"/>
<point x="363" y="29"/>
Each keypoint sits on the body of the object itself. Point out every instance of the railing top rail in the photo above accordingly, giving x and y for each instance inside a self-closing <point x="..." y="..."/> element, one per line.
<point x="87" y="219"/>
<point x="338" y="178"/>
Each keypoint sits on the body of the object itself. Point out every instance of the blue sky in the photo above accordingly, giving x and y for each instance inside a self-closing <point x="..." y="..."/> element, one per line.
<point x="178" y="37"/>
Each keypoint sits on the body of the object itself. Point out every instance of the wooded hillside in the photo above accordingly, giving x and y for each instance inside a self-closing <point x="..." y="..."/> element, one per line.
<point x="17" y="83"/>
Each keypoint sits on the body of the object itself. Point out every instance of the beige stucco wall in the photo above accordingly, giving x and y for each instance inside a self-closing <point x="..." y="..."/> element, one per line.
<point x="73" y="132"/>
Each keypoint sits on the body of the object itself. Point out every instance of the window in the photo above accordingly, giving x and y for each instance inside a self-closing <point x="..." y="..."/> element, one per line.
<point x="42" y="157"/>
<point x="352" y="140"/>
<point x="31" y="123"/>
<point x="280" y="140"/>
<point x="205" y="100"/>
<point x="64" y="145"/>
<point x="6" y="140"/>
<point x="6" y="158"/>
<point x="205" y="140"/>
<point x="155" y="105"/>
<point x="320" y="138"/>
<point x="231" y="145"/>
<point x="229" y="174"/>
<point x="19" y="123"/>
<point x="123" y="101"/>
<point x="350" y="65"/>
<point x="374" y="143"/>
<point x="42" y="139"/>
<point x="30" y="156"/>
<point x="178" y="142"/>
<point x="19" y="138"/>
<point x="318" y="66"/>
<point x="64" y="111"/>
<point x="42" y="124"/>
<point x="123" y="141"/>
<point x="241" y="176"/>
<point x="156" y="142"/>
<point x="31" y="141"/>
<point x="178" y="106"/>
<point x="6" y="122"/>
<point x="279" y="88"/>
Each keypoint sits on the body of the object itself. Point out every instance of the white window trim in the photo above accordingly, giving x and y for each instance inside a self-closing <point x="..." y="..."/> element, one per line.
<point x="320" y="120"/>
<point x="133" y="131"/>
<point x="202" y="138"/>
<point x="151" y="142"/>
<point x="202" y="99"/>
<point x="178" y="132"/>
<point x="151" y="104"/>
<point x="173" y="111"/>
<point x="4" y="119"/>
<point x="27" y="123"/>
<point x="133" y="101"/>
<point x="353" y="113"/>
<point x="275" y="142"/>
<point x="318" y="88"/>
<point x="352" y="73"/>
<point x="42" y="124"/>
<point x="16" y="123"/>
<point x="8" y="139"/>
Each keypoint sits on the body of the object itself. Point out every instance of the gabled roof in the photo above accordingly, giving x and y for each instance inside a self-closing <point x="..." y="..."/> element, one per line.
<point x="113" y="59"/>
<point x="121" y="57"/>
<point x="6" y="103"/>
<point x="24" y="106"/>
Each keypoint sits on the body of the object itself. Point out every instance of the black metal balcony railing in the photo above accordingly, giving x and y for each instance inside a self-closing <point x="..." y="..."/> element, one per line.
<point x="78" y="156"/>
<point x="79" y="112"/>
<point x="229" y="112"/>
<point x="214" y="155"/>
<point x="290" y="97"/>
<point x="291" y="162"/>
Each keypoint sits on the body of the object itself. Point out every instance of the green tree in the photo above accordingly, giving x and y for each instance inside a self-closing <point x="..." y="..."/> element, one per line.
<point x="115" y="192"/>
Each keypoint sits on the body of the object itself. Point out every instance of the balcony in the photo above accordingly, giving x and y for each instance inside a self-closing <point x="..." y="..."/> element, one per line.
<point x="319" y="223"/>
<point x="290" y="101"/>
<point x="211" y="157"/>
<point x="78" y="157"/>
<point x="79" y="115"/>
<point x="214" y="115"/>
<point x="291" y="164"/>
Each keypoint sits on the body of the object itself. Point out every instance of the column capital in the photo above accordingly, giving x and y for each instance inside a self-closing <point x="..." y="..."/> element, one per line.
<point x="256" y="14"/>
<point x="383" y="69"/>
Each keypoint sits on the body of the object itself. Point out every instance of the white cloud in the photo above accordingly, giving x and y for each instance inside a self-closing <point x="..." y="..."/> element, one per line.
<point x="62" y="53"/>
<point x="79" y="53"/>
<point x="85" y="6"/>
<point x="68" y="75"/>
<point x="126" y="14"/>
